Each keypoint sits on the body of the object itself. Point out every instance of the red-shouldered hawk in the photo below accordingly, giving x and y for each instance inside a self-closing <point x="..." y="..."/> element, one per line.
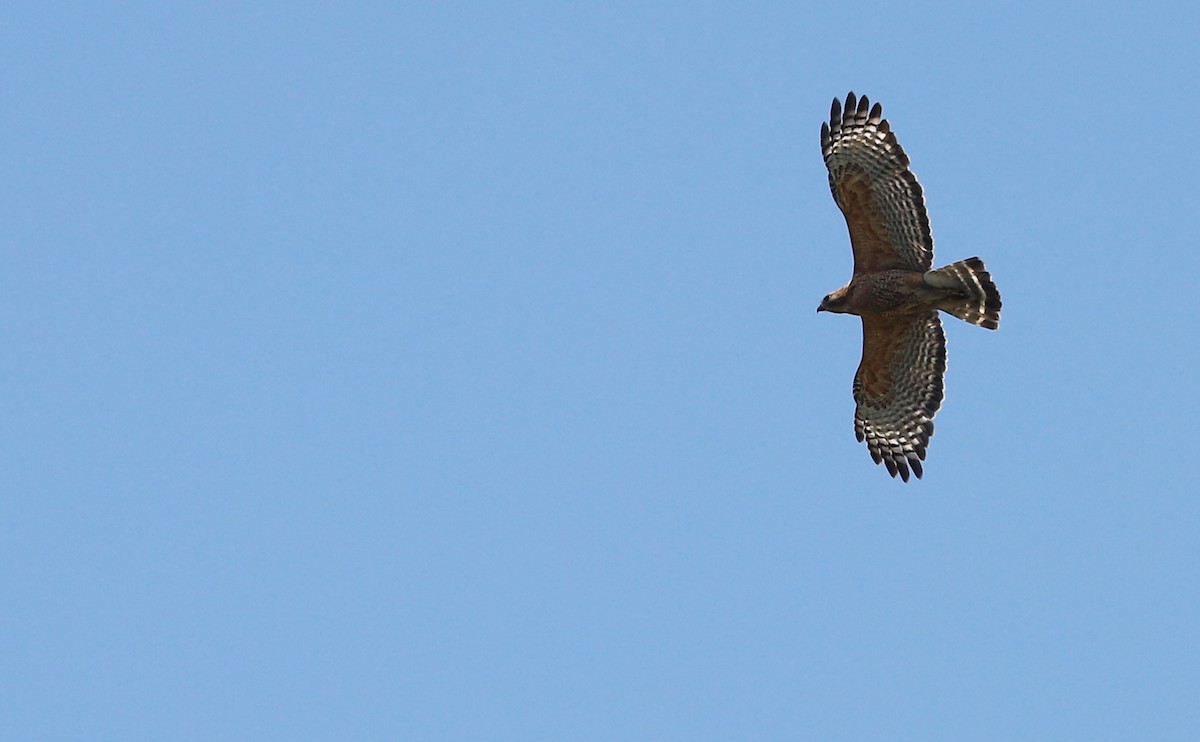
<point x="898" y="387"/>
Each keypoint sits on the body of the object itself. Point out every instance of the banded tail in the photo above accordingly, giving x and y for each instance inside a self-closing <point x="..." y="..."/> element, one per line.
<point x="973" y="298"/>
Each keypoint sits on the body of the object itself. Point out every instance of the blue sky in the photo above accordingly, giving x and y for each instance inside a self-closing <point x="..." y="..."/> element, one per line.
<point x="451" y="371"/>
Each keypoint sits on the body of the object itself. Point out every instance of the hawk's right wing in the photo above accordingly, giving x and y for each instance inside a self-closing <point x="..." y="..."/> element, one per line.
<point x="899" y="389"/>
<point x="872" y="185"/>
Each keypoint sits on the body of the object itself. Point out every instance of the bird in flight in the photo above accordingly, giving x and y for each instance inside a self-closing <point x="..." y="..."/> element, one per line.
<point x="894" y="290"/>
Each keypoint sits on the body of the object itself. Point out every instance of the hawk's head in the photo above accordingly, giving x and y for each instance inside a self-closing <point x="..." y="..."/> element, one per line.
<point x="837" y="302"/>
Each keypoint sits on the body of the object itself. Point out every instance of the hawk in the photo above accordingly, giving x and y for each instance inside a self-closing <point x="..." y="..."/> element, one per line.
<point x="898" y="387"/>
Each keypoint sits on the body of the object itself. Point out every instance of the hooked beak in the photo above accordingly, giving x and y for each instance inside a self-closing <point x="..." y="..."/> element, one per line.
<point x="821" y="308"/>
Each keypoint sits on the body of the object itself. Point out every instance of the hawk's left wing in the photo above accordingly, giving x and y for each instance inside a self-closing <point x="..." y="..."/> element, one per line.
<point x="872" y="185"/>
<point x="899" y="389"/>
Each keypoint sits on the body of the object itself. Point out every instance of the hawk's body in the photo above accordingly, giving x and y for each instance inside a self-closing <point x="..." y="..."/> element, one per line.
<point x="898" y="386"/>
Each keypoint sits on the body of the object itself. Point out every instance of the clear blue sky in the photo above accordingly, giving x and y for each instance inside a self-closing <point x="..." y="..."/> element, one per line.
<point x="451" y="371"/>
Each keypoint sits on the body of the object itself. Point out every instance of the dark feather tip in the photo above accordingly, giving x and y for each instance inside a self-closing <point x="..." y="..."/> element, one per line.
<point x="916" y="467"/>
<point x="863" y="107"/>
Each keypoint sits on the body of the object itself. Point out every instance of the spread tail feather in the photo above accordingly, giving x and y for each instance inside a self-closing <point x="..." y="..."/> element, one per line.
<point x="973" y="296"/>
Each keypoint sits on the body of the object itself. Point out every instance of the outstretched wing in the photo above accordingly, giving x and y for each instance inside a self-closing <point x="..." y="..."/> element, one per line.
<point x="872" y="185"/>
<point x="898" y="389"/>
